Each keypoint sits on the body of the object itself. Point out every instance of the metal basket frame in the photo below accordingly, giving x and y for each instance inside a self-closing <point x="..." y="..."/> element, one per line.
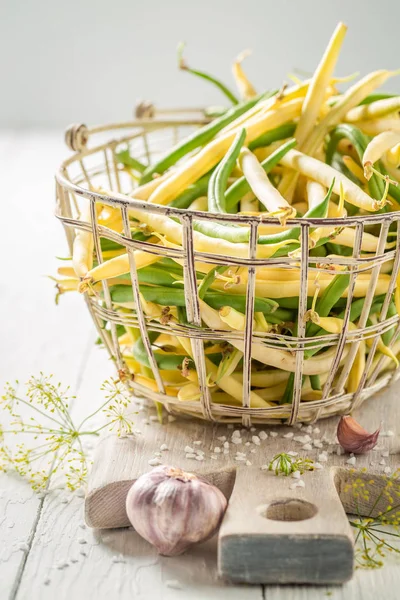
<point x="334" y="399"/>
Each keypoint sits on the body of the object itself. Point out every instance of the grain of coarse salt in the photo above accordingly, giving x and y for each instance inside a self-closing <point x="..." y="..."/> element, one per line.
<point x="293" y="453"/>
<point x="174" y="584"/>
<point x="247" y="444"/>
<point x="236" y="440"/>
<point x="198" y="443"/>
<point x="199" y="451"/>
<point x="263" y="435"/>
<point x="154" y="462"/>
<point x="302" y="439"/>
<point x="387" y="470"/>
<point x="157" y="454"/>
<point x="273" y="433"/>
<point x="383" y="462"/>
<point x="318" y="465"/>
<point x="164" y="447"/>
<point x="385" y="454"/>
<point x="256" y="440"/>
<point x="296" y="475"/>
<point x="214" y="457"/>
<point x="351" y="461"/>
<point x="316" y="430"/>
<point x="236" y="433"/>
<point x="82" y="540"/>
<point x="226" y="444"/>
<point x="240" y="458"/>
<point x="199" y="457"/>
<point x="307" y="447"/>
<point x="322" y="457"/>
<point x="221" y="438"/>
<point x="388" y="433"/>
<point x="308" y="429"/>
<point x="301" y="483"/>
<point x="248" y="463"/>
<point x="318" y="444"/>
<point x="190" y="455"/>
<point x="264" y="467"/>
<point x="253" y="429"/>
<point x="23" y="546"/>
<point x="289" y="435"/>
<point x="188" y="449"/>
<point x="217" y="450"/>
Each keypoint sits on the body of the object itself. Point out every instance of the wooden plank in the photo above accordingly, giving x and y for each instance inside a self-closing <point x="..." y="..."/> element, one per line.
<point x="35" y="334"/>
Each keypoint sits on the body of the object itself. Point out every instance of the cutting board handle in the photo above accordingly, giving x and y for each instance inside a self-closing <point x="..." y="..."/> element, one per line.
<point x="274" y="534"/>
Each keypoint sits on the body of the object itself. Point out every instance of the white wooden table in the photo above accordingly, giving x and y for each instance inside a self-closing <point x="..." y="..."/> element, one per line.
<point x="37" y="335"/>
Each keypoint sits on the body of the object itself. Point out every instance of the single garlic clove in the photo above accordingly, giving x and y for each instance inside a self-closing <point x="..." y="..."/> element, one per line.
<point x="173" y="509"/>
<point x="353" y="438"/>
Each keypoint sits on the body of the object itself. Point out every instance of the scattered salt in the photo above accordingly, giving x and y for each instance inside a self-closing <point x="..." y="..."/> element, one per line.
<point x="318" y="465"/>
<point x="236" y="440"/>
<point x="307" y="447"/>
<point x="264" y="467"/>
<point x="248" y="463"/>
<point x="222" y="438"/>
<point x="289" y="435"/>
<point x="318" y="444"/>
<point x="226" y="444"/>
<point x="296" y="475"/>
<point x="199" y="457"/>
<point x="256" y="440"/>
<point x="385" y="454"/>
<point x="236" y="433"/>
<point x="217" y="450"/>
<point x="247" y="444"/>
<point x="351" y="461"/>
<point x="82" y="524"/>
<point x="190" y="455"/>
<point x="263" y="435"/>
<point x="292" y="453"/>
<point x="82" y="540"/>
<point x="316" y="430"/>
<point x="154" y="462"/>
<point x="273" y="434"/>
<point x="198" y="443"/>
<point x="301" y="483"/>
<point x="302" y="439"/>
<point x="188" y="449"/>
<point x="383" y="462"/>
<point x="387" y="470"/>
<point x="240" y="459"/>
<point x="158" y="454"/>
<point x="322" y="457"/>
<point x="164" y="447"/>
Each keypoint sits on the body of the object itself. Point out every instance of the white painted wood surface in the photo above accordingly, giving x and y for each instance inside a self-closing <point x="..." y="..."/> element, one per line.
<point x="36" y="335"/>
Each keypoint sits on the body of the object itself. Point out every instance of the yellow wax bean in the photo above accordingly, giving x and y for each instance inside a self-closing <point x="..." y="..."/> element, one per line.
<point x="244" y="86"/>
<point x="325" y="174"/>
<point x="117" y="266"/>
<point x="377" y="148"/>
<point x="376" y="109"/>
<point x="265" y="379"/>
<point x="379" y="126"/>
<point x="82" y="251"/>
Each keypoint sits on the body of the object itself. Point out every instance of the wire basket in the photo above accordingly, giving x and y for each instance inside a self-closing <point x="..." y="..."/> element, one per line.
<point x="151" y="134"/>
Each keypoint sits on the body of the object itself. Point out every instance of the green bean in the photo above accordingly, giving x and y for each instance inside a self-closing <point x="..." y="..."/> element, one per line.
<point x="315" y="381"/>
<point x="167" y="296"/>
<point x="376" y="96"/>
<point x="191" y="193"/>
<point x="208" y="280"/>
<point x="388" y="335"/>
<point x="338" y="249"/>
<point x="274" y="135"/>
<point x="158" y="276"/>
<point x="164" y="361"/>
<point x="127" y="160"/>
<point x="236" y="192"/>
<point x="198" y="138"/>
<point x="221" y="86"/>
<point x="219" y="179"/>
<point x="360" y="142"/>
<point x="358" y="305"/>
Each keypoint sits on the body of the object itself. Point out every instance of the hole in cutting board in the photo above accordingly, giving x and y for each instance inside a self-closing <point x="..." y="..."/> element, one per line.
<point x="289" y="509"/>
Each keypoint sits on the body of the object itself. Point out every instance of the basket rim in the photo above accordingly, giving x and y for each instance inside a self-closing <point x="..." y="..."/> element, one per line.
<point x="123" y="200"/>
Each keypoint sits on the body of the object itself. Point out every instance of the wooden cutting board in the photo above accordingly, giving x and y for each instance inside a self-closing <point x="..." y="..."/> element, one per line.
<point x="272" y="531"/>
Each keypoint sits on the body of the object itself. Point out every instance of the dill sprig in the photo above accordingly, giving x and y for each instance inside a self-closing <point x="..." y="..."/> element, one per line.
<point x="377" y="532"/>
<point x="55" y="441"/>
<point x="286" y="464"/>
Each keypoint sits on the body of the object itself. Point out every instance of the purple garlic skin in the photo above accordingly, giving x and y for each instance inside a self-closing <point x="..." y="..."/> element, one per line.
<point x="173" y="509"/>
<point x="353" y="438"/>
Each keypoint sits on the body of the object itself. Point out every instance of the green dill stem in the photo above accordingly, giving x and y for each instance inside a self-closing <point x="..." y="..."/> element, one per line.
<point x="31" y="405"/>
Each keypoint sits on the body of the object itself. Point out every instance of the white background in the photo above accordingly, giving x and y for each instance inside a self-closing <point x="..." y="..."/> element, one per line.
<point x="65" y="61"/>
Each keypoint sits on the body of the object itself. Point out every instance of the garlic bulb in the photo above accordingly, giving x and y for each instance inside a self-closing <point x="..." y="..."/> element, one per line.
<point x="173" y="509"/>
<point x="353" y="438"/>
